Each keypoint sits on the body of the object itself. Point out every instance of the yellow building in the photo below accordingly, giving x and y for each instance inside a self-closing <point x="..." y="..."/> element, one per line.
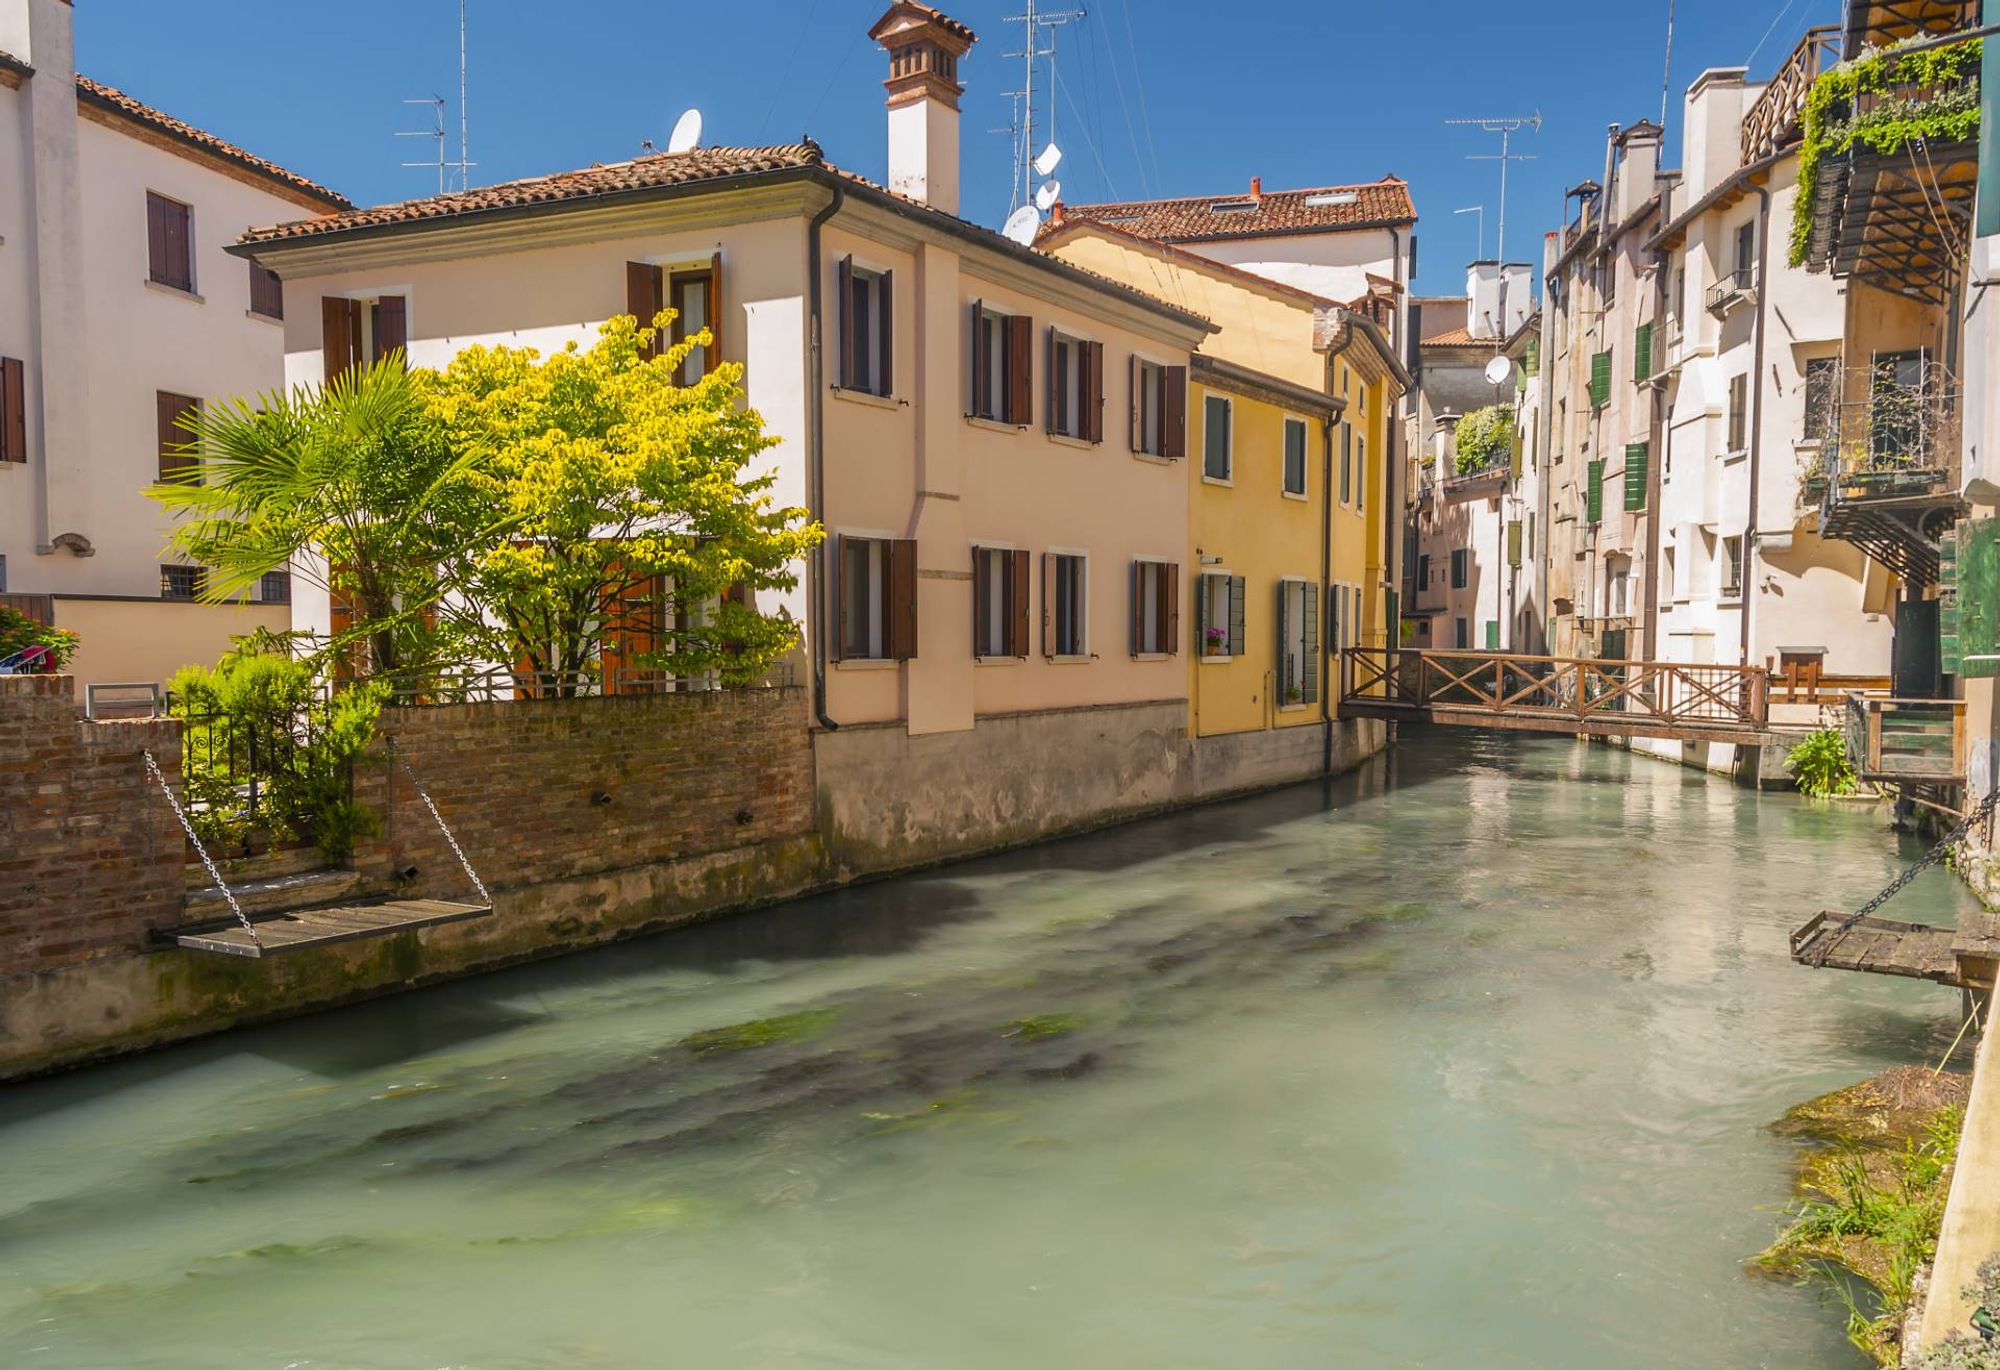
<point x="1288" y="424"/>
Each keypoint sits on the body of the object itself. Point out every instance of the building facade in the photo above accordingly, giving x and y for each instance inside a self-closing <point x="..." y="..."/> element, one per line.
<point x="120" y="309"/>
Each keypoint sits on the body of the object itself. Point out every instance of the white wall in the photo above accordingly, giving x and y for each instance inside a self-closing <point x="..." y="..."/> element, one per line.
<point x="1335" y="265"/>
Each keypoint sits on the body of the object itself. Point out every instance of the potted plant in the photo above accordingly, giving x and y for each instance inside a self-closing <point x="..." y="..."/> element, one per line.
<point x="1293" y="695"/>
<point x="1215" y="642"/>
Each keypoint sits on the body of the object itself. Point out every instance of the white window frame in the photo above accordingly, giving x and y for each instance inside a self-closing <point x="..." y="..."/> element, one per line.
<point x="1204" y="578"/>
<point x="1079" y="346"/>
<point x="1295" y="630"/>
<point x="1082" y="653"/>
<point x="1724" y="591"/>
<point x="1229" y="445"/>
<point x="996" y="389"/>
<point x="872" y="272"/>
<point x="1005" y="551"/>
<point x="878" y="596"/>
<point x="1153" y="444"/>
<point x="1304" y="492"/>
<point x="1150" y="603"/>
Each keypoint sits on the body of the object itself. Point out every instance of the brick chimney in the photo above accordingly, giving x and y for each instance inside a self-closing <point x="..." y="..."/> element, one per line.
<point x="1257" y="189"/>
<point x="924" y="47"/>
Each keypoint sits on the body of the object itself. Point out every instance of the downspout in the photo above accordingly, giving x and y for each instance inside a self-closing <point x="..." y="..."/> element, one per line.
<point x="1544" y="364"/>
<point x="1326" y="548"/>
<point x="1756" y="413"/>
<point x="819" y="580"/>
<point x="1656" y="460"/>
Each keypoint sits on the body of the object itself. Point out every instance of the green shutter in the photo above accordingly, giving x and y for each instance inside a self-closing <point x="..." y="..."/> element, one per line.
<point x="1976" y="610"/>
<point x="1492" y="635"/>
<point x="1600" y="378"/>
<point x="1947" y="601"/>
<point x="1642" y="353"/>
<point x="1514" y="462"/>
<point x="1514" y="542"/>
<point x="1531" y="361"/>
<point x="1593" y="493"/>
<point x="1635" y="476"/>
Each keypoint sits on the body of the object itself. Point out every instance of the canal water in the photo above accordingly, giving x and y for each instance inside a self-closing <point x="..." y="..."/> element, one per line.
<point x="1466" y="1060"/>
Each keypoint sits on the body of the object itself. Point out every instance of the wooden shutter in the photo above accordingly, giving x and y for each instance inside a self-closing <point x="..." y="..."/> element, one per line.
<point x="1200" y="647"/>
<point x="645" y="297"/>
<point x="1170" y="607"/>
<point x="173" y="439"/>
<point x="13" y="411"/>
<point x="180" y="247"/>
<point x="885" y="332"/>
<point x="1048" y="604"/>
<point x="1020" y="369"/>
<point x="1514" y="542"/>
<point x="1057" y="399"/>
<point x="1236" y="615"/>
<point x="1600" y="378"/>
<point x="156" y="237"/>
<point x="982" y="364"/>
<point x="844" y="312"/>
<point x="1173" y="413"/>
<point x="340" y="333"/>
<point x="1310" y="694"/>
<point x="1284" y="636"/>
<point x="1346" y="464"/>
<point x="1135" y="419"/>
<point x="392" y="326"/>
<point x="838" y="647"/>
<point x="1642" y="352"/>
<point x="1635" y="476"/>
<point x="714" y="313"/>
<point x="267" y="292"/>
<point x="981" y="583"/>
<point x="1138" y="580"/>
<point x="1593" y="492"/>
<point x="1017" y="603"/>
<point x="899" y="632"/>
<point x="1093" y="392"/>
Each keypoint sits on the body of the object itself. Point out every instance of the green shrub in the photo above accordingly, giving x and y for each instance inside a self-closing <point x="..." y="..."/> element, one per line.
<point x="1485" y="438"/>
<point x="18" y="632"/>
<point x="261" y="718"/>
<point x="1821" y="766"/>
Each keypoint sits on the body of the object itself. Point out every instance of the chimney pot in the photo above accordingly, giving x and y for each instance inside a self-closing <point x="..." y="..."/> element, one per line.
<point x="1256" y="187"/>
<point x="924" y="48"/>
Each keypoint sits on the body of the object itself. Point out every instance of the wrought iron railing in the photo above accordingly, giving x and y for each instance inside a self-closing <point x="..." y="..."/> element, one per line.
<point x="1736" y="285"/>
<point x="504" y="683"/>
<point x="233" y="762"/>
<point x="1894" y="429"/>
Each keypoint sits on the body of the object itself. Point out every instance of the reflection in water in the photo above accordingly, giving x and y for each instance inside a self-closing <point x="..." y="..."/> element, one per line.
<point x="1465" y="1059"/>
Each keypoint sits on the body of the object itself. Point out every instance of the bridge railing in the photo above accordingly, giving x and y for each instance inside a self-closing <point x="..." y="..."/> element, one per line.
<point x="1507" y="684"/>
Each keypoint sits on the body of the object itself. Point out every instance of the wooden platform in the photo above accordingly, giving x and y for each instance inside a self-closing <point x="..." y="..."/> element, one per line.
<point x="304" y="929"/>
<point x="1881" y="945"/>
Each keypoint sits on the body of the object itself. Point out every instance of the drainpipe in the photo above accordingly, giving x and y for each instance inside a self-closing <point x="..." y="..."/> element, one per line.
<point x="1756" y="411"/>
<point x="1326" y="549"/>
<point x="818" y="580"/>
<point x="1656" y="460"/>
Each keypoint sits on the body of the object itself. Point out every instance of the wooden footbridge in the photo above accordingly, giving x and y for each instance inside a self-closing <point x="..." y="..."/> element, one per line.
<point x="1549" y="694"/>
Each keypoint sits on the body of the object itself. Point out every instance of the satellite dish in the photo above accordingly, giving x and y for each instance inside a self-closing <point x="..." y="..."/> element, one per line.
<point x="1046" y="163"/>
<point x="687" y="132"/>
<point x="1046" y="195"/>
<point x="1498" y="370"/>
<point x="1021" y="225"/>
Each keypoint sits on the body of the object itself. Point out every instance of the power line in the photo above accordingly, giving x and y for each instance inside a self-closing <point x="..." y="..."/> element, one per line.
<point x="1139" y="80"/>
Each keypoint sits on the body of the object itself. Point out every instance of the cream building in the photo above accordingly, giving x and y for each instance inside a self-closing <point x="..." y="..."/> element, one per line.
<point x="119" y="308"/>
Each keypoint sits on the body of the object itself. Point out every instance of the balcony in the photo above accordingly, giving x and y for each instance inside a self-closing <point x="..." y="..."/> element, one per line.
<point x="1773" y="122"/>
<point x="1907" y="741"/>
<point x="1888" y="463"/>
<point x="1738" y="287"/>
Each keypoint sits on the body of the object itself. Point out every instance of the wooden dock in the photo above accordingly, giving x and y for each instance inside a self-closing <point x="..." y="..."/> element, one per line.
<point x="1964" y="956"/>
<point x="303" y="929"/>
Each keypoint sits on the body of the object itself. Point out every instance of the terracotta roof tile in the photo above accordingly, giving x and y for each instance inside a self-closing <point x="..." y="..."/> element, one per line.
<point x="117" y="101"/>
<point x="935" y="15"/>
<point x="1451" y="337"/>
<point x="1208" y="217"/>
<point x="641" y="173"/>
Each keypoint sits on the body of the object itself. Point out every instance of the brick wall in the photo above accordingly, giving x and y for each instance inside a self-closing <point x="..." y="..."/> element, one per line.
<point x="539" y="790"/>
<point x="91" y="856"/>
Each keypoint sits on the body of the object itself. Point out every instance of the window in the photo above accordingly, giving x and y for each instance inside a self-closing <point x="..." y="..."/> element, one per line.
<point x="1295" y="456"/>
<point x="13" y="410"/>
<point x="274" y="587"/>
<point x="1216" y="463"/>
<point x="1676" y="301"/>
<point x="1346" y="464"/>
<point x="182" y="582"/>
<point x="1822" y="397"/>
<point x="1739" y="407"/>
<point x="1492" y="635"/>
<point x="177" y="463"/>
<point x="1064" y="618"/>
<point x="1423" y="573"/>
<point x="876" y="593"/>
<point x="1513" y="542"/>
<point x="267" y="292"/>
<point x="1156" y="608"/>
<point x="1002" y="386"/>
<point x="169" y="242"/>
<point x="1159" y="409"/>
<point x="358" y="332"/>
<point x="1593" y="492"/>
<point x="1618" y="591"/>
<point x="1076" y="387"/>
<point x="1635" y="477"/>
<point x="999" y="602"/>
<point x="1461" y="633"/>
<point x="1745" y="274"/>
<point x="1732" y="567"/>
<point x="867" y="329"/>
<point x="1218" y="614"/>
<point x="696" y="299"/>
<point x="1600" y="378"/>
<point x="1460" y="568"/>
<point x="1360" y="473"/>
<point x="1298" y="642"/>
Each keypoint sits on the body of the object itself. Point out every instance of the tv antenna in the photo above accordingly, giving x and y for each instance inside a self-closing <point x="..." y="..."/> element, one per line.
<point x="1506" y="128"/>
<point x="436" y="132"/>
<point x="1479" y="229"/>
<point x="1041" y="24"/>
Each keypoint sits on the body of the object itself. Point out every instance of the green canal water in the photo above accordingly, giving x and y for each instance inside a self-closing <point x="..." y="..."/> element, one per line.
<point x="1463" y="1061"/>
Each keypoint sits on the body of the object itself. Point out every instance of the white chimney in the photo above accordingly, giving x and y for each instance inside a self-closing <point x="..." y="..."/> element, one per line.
<point x="924" y="47"/>
<point x="1483" y="300"/>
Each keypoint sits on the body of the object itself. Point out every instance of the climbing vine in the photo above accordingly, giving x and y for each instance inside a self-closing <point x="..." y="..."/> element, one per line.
<point x="1941" y="106"/>
<point x="1485" y="438"/>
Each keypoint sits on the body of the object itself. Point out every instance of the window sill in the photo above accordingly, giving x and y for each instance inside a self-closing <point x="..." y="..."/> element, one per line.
<point x="1070" y="659"/>
<point x="1152" y="656"/>
<point x="173" y="290"/>
<point x="868" y="397"/>
<point x="999" y="661"/>
<point x="1298" y="495"/>
<point x="1293" y="708"/>
<point x="866" y="663"/>
<point x="1066" y="440"/>
<point x="1731" y="458"/>
<point x="1226" y="482"/>
<point x="1216" y="659"/>
<point x="1156" y="459"/>
<point x="995" y="425"/>
<point x="264" y="318"/>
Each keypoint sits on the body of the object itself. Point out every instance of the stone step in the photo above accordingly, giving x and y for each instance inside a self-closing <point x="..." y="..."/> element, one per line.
<point x="273" y="895"/>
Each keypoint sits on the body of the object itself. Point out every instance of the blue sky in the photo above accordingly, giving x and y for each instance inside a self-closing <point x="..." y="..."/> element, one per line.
<point x="1156" y="97"/>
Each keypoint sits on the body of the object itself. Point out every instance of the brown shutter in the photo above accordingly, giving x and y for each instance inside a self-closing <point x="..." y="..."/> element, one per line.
<point x="1053" y="371"/>
<point x="1138" y="579"/>
<point x="13" y="411"/>
<point x="1093" y="392"/>
<point x="1170" y="606"/>
<point x="714" y="312"/>
<point x="899" y="634"/>
<point x="845" y="290"/>
<point x="982" y="364"/>
<point x="885" y="328"/>
<point x="1020" y="369"/>
<point x="180" y="254"/>
<point x="645" y="297"/>
<point x="392" y="326"/>
<point x="1135" y="427"/>
<point x="981" y="584"/>
<point x="156" y="237"/>
<point x="1048" y="604"/>
<point x="339" y="332"/>
<point x="1173" y="413"/>
<point x="1017" y="603"/>
<point x="173" y="439"/>
<point x="838" y="647"/>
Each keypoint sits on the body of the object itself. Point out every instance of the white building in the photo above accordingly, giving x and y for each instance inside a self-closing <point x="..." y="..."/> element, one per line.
<point x="118" y="309"/>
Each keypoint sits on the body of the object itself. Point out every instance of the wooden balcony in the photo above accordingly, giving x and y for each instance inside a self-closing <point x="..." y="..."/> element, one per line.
<point x="1907" y="741"/>
<point x="1773" y="122"/>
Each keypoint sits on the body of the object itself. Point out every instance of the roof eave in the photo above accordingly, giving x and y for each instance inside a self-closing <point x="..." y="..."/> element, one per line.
<point x="1368" y="226"/>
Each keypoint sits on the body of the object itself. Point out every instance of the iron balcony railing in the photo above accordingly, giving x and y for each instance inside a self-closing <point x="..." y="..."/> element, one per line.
<point x="503" y="683"/>
<point x="1893" y="429"/>
<point x="1735" y="286"/>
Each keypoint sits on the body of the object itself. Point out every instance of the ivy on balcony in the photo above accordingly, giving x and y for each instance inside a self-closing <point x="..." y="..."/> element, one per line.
<point x="1926" y="97"/>
<point x="1485" y="439"/>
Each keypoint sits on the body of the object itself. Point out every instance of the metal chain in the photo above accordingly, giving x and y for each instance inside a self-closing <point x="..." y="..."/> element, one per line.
<point x="424" y="795"/>
<point x="1980" y="813"/>
<point x="201" y="851"/>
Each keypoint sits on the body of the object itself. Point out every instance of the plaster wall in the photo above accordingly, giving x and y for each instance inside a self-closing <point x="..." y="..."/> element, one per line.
<point x="1336" y="265"/>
